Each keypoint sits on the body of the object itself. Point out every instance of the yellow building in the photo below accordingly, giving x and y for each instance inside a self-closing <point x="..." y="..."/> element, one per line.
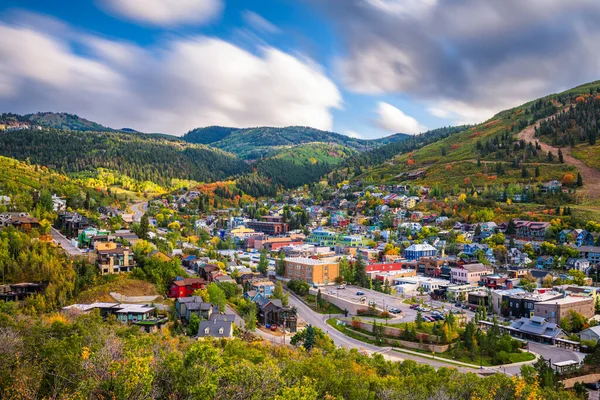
<point x="312" y="271"/>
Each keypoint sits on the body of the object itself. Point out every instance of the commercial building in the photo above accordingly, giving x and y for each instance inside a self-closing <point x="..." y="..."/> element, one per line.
<point x="312" y="271"/>
<point x="417" y="251"/>
<point x="556" y="309"/>
<point x="271" y="225"/>
<point x="469" y="273"/>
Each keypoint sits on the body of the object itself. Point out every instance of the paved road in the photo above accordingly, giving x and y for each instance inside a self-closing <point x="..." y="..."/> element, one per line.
<point x="139" y="209"/>
<point x="65" y="243"/>
<point x="310" y="317"/>
<point x="386" y="301"/>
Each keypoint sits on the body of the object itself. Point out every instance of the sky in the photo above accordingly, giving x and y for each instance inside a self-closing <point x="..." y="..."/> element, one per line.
<point x="364" y="68"/>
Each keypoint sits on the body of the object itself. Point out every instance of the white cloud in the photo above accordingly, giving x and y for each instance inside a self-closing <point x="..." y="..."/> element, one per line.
<point x="476" y="57"/>
<point x="353" y="134"/>
<point x="171" y="88"/>
<point x="258" y="22"/>
<point x="394" y="120"/>
<point x="165" y="12"/>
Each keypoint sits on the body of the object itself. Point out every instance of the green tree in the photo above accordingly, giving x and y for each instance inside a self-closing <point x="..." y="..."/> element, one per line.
<point x="193" y="325"/>
<point x="217" y="296"/>
<point x="360" y="272"/>
<point x="144" y="227"/>
<point x="309" y="340"/>
<point x="278" y="293"/>
<point x="281" y="264"/>
<point x="263" y="262"/>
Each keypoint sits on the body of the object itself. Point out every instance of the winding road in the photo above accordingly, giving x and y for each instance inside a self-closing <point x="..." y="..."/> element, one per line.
<point x="139" y="209"/>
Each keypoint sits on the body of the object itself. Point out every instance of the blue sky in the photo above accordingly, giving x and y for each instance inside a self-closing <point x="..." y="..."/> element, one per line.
<point x="366" y="68"/>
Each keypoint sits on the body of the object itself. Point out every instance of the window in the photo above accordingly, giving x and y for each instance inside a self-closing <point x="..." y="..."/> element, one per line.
<point x="206" y="331"/>
<point x="220" y="331"/>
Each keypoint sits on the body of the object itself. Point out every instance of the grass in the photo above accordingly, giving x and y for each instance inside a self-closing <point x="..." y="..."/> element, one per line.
<point x="590" y="155"/>
<point x="116" y="283"/>
<point x="309" y="299"/>
<point x="350" y="333"/>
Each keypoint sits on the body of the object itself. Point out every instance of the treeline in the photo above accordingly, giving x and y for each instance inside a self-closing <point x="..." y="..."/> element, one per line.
<point x="83" y="357"/>
<point x="579" y="124"/>
<point x="138" y="156"/>
<point x="382" y="154"/>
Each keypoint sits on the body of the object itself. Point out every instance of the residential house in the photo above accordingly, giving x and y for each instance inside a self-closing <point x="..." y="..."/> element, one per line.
<point x="185" y="287"/>
<point x="580" y="264"/>
<point x="20" y="291"/>
<point x="544" y="262"/>
<point x="591" y="253"/>
<point x="550" y="187"/>
<point x="115" y="261"/>
<point x="216" y="328"/>
<point x="272" y="312"/>
<point x="591" y="334"/>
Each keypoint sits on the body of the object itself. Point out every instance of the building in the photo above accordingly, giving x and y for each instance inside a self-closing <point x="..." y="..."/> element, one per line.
<point x="469" y="273"/>
<point x="115" y="261"/>
<point x="272" y="312"/>
<point x="264" y="287"/>
<point x="185" y="287"/>
<point x="417" y="251"/>
<point x="500" y="300"/>
<point x="590" y="334"/>
<point x="523" y="304"/>
<point x="216" y="328"/>
<point x="556" y="309"/>
<point x="125" y="313"/>
<point x="20" y="291"/>
<point x="322" y="237"/>
<point x="590" y="253"/>
<point x="270" y="225"/>
<point x="312" y="271"/>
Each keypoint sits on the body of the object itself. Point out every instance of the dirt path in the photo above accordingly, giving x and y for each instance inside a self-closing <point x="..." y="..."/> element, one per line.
<point x="591" y="176"/>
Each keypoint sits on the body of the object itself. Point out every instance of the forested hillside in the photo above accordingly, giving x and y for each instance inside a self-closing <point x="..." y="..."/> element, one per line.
<point x="493" y="153"/>
<point x="138" y="156"/>
<point x="255" y="143"/>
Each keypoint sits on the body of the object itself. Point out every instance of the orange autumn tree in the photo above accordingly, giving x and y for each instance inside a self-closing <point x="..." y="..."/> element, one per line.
<point x="568" y="180"/>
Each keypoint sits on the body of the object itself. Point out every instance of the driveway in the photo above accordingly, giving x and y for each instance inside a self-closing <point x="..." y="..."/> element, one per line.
<point x="65" y="243"/>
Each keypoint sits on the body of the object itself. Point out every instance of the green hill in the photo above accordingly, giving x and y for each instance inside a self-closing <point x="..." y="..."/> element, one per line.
<point x="253" y="143"/>
<point x="500" y="151"/>
<point x="138" y="156"/>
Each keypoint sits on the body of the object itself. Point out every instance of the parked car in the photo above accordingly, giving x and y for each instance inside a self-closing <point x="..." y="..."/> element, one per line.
<point x="414" y="306"/>
<point x="428" y="318"/>
<point x="359" y="293"/>
<point x="394" y="310"/>
<point x="593" y="385"/>
<point x="341" y="287"/>
<point x="438" y="317"/>
<point x="273" y="327"/>
<point x="465" y="307"/>
<point x="372" y="303"/>
<point x="332" y="292"/>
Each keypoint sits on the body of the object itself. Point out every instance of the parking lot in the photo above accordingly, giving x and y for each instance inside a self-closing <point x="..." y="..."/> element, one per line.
<point x="385" y="301"/>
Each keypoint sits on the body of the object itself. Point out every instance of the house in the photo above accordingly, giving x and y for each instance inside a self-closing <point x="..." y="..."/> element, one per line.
<point x="25" y="224"/>
<point x="591" y="253"/>
<point x="538" y="329"/>
<point x="272" y="312"/>
<point x="580" y="264"/>
<point x="216" y="328"/>
<point x="469" y="273"/>
<point x="132" y="313"/>
<point x="185" y="287"/>
<point x="20" y="291"/>
<point x="142" y="315"/>
<point x="312" y="271"/>
<point x="417" y="251"/>
<point x="58" y="204"/>
<point x="590" y="334"/>
<point x="264" y="287"/>
<point x="115" y="261"/>
<point x="550" y="187"/>
<point x="472" y="248"/>
<point x="544" y="262"/>
<point x="71" y="223"/>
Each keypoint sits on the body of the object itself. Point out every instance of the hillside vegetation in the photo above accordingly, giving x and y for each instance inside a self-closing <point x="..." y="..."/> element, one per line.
<point x="141" y="157"/>
<point x="493" y="152"/>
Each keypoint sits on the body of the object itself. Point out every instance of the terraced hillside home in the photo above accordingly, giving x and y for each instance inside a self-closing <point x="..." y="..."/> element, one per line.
<point x="115" y="261"/>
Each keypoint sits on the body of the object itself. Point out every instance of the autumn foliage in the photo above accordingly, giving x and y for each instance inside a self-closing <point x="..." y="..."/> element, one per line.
<point x="568" y="180"/>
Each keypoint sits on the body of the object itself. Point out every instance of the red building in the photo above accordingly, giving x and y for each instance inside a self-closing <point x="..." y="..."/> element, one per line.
<point x="384" y="267"/>
<point x="184" y="287"/>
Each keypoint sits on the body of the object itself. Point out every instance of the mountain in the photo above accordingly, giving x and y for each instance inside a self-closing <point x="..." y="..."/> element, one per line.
<point x="253" y="143"/>
<point x="138" y="156"/>
<point x="511" y="148"/>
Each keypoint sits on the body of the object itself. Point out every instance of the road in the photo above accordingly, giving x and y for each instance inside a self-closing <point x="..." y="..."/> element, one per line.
<point x="139" y="209"/>
<point x="65" y="243"/>
<point x="318" y="320"/>
<point x="384" y="301"/>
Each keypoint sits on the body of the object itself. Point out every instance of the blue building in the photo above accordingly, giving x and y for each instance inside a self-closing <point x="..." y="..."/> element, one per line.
<point x="416" y="251"/>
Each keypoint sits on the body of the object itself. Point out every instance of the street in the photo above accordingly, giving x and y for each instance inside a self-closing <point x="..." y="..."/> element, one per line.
<point x="65" y="243"/>
<point x="319" y="320"/>
<point x="139" y="209"/>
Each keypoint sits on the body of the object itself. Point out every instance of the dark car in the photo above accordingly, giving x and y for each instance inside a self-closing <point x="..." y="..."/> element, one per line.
<point x="360" y="293"/>
<point x="593" y="385"/>
<point x="414" y="306"/>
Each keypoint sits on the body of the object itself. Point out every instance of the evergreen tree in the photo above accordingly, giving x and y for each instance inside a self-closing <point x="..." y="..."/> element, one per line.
<point x="309" y="340"/>
<point x="263" y="262"/>
<point x="144" y="227"/>
<point x="537" y="171"/>
<point x="281" y="264"/>
<point x="579" y="180"/>
<point x="560" y="156"/>
<point x="360" y="272"/>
